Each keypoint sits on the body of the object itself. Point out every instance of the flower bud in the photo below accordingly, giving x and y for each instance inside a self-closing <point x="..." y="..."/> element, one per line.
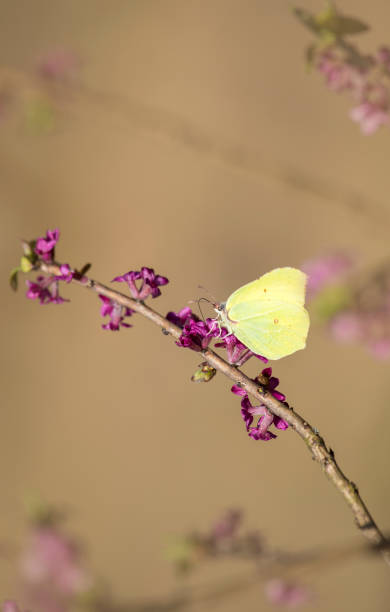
<point x="204" y="373"/>
<point x="25" y="264"/>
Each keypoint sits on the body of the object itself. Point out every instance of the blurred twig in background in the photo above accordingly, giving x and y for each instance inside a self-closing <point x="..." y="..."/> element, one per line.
<point x="53" y="570"/>
<point x="42" y="98"/>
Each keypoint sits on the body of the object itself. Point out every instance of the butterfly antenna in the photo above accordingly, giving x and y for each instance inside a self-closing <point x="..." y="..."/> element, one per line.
<point x="210" y="294"/>
<point x="200" y="309"/>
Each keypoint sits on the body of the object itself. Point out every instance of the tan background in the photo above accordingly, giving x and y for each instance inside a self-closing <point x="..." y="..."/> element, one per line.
<point x="109" y="424"/>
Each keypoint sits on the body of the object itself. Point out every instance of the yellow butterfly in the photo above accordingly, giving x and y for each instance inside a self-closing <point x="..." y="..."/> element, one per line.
<point x="268" y="314"/>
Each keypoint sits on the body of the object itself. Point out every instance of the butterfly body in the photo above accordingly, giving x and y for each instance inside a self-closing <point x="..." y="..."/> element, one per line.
<point x="268" y="314"/>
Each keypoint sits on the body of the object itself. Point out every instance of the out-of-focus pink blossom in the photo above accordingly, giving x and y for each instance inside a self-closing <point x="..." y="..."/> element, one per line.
<point x="10" y="606"/>
<point x="370" y="116"/>
<point x="338" y="74"/>
<point x="354" y="309"/>
<point x="380" y="348"/>
<point x="51" y="559"/>
<point x="58" y="65"/>
<point x="326" y="270"/>
<point x="374" y="107"/>
<point x="383" y="55"/>
<point x="346" y="327"/>
<point x="227" y="526"/>
<point x="286" y="594"/>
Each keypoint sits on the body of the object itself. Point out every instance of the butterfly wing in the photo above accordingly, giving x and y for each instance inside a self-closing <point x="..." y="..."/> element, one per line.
<point x="283" y="285"/>
<point x="280" y="331"/>
<point x="268" y="314"/>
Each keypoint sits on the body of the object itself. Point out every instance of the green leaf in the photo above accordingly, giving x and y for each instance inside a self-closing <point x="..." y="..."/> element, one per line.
<point x="340" y="25"/>
<point x="306" y="18"/>
<point x="13" y="279"/>
<point x="330" y="24"/>
<point x="351" y="25"/>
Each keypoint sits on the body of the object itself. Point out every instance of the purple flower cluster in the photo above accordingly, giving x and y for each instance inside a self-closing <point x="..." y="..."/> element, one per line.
<point x="248" y="412"/>
<point x="46" y="288"/>
<point x="198" y="334"/>
<point x="116" y="312"/>
<point x="149" y="285"/>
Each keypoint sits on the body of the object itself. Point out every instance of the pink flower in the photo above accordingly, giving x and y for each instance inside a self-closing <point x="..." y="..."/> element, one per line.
<point x="261" y="431"/>
<point x="150" y="282"/>
<point x="45" y="289"/>
<point x="179" y="318"/>
<point x="116" y="312"/>
<point x="283" y="593"/>
<point x="45" y="246"/>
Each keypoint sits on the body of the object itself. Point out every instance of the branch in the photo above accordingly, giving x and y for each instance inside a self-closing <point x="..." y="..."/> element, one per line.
<point x="315" y="443"/>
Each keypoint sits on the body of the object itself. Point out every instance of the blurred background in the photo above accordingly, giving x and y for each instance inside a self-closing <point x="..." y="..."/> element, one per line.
<point x="196" y="144"/>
